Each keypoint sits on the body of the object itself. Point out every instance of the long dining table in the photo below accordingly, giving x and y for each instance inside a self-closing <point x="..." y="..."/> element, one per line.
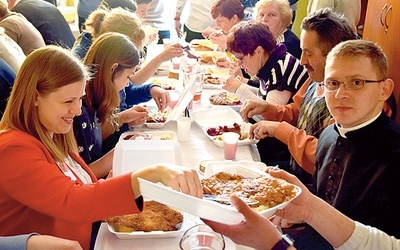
<point x="197" y="149"/>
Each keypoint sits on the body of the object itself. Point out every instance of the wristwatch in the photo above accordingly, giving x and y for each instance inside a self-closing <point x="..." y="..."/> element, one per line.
<point x="284" y="243"/>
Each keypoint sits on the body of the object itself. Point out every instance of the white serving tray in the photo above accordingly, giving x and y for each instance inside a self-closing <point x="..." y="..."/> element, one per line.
<point x="216" y="116"/>
<point x="245" y="168"/>
<point x="199" y="207"/>
<point x="202" y="208"/>
<point x="150" y="235"/>
<point x="131" y="155"/>
<point x="149" y="135"/>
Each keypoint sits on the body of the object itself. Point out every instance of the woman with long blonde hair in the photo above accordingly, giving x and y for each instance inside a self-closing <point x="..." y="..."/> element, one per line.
<point x="45" y="186"/>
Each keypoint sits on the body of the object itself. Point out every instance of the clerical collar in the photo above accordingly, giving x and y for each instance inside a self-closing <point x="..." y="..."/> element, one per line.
<point x="343" y="131"/>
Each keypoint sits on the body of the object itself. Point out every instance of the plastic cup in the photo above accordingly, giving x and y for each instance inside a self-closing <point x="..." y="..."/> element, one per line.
<point x="191" y="64"/>
<point x="201" y="237"/>
<point x="174" y="98"/>
<point x="183" y="124"/>
<point x="230" y="140"/>
<point x="199" y="81"/>
<point x="176" y="62"/>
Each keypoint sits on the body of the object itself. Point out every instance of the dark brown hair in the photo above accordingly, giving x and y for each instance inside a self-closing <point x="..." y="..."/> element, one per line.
<point x="331" y="27"/>
<point x="227" y="8"/>
<point x="246" y="36"/>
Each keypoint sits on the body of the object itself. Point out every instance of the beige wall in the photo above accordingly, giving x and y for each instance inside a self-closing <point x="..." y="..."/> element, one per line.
<point x="300" y="14"/>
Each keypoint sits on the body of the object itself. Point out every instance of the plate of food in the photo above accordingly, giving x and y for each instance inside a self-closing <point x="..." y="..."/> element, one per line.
<point x="265" y="193"/>
<point x="208" y="57"/>
<point x="203" y="45"/>
<point x="225" y="99"/>
<point x="149" y="135"/>
<point x="155" y="221"/>
<point x="165" y="83"/>
<point x="215" y="133"/>
<point x="157" y="119"/>
<point x="215" y="77"/>
<point x="279" y="193"/>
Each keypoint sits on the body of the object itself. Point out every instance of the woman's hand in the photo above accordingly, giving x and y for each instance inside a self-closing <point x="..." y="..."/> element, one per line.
<point x="179" y="178"/>
<point x="136" y="115"/>
<point x="235" y="70"/>
<point x="161" y="97"/>
<point x="231" y="84"/>
<point x="222" y="62"/>
<point x="218" y="37"/>
<point x="171" y="51"/>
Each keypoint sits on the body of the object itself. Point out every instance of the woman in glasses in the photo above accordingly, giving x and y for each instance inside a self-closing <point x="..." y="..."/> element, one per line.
<point x="279" y="73"/>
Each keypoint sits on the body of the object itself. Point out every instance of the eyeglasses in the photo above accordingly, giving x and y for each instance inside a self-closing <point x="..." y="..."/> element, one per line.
<point x="354" y="84"/>
<point x="240" y="60"/>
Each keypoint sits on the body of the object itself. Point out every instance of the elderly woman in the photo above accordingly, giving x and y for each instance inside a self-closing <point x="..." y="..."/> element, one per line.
<point x="277" y="15"/>
<point x="45" y="186"/>
<point x="280" y="74"/>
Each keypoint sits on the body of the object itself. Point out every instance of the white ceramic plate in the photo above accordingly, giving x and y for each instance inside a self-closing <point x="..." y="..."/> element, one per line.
<point x="214" y="116"/>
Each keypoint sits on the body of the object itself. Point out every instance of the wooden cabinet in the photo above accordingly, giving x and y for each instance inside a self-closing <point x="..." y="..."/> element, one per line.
<point x="382" y="25"/>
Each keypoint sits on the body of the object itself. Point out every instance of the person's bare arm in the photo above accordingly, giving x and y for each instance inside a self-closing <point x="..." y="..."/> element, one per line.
<point x="148" y="70"/>
<point x="47" y="242"/>
<point x="102" y="166"/>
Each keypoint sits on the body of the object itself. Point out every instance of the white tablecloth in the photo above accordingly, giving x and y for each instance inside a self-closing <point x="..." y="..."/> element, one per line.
<point x="197" y="149"/>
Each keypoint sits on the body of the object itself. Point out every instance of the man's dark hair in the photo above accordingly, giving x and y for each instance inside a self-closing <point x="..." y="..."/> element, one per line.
<point x="331" y="27"/>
